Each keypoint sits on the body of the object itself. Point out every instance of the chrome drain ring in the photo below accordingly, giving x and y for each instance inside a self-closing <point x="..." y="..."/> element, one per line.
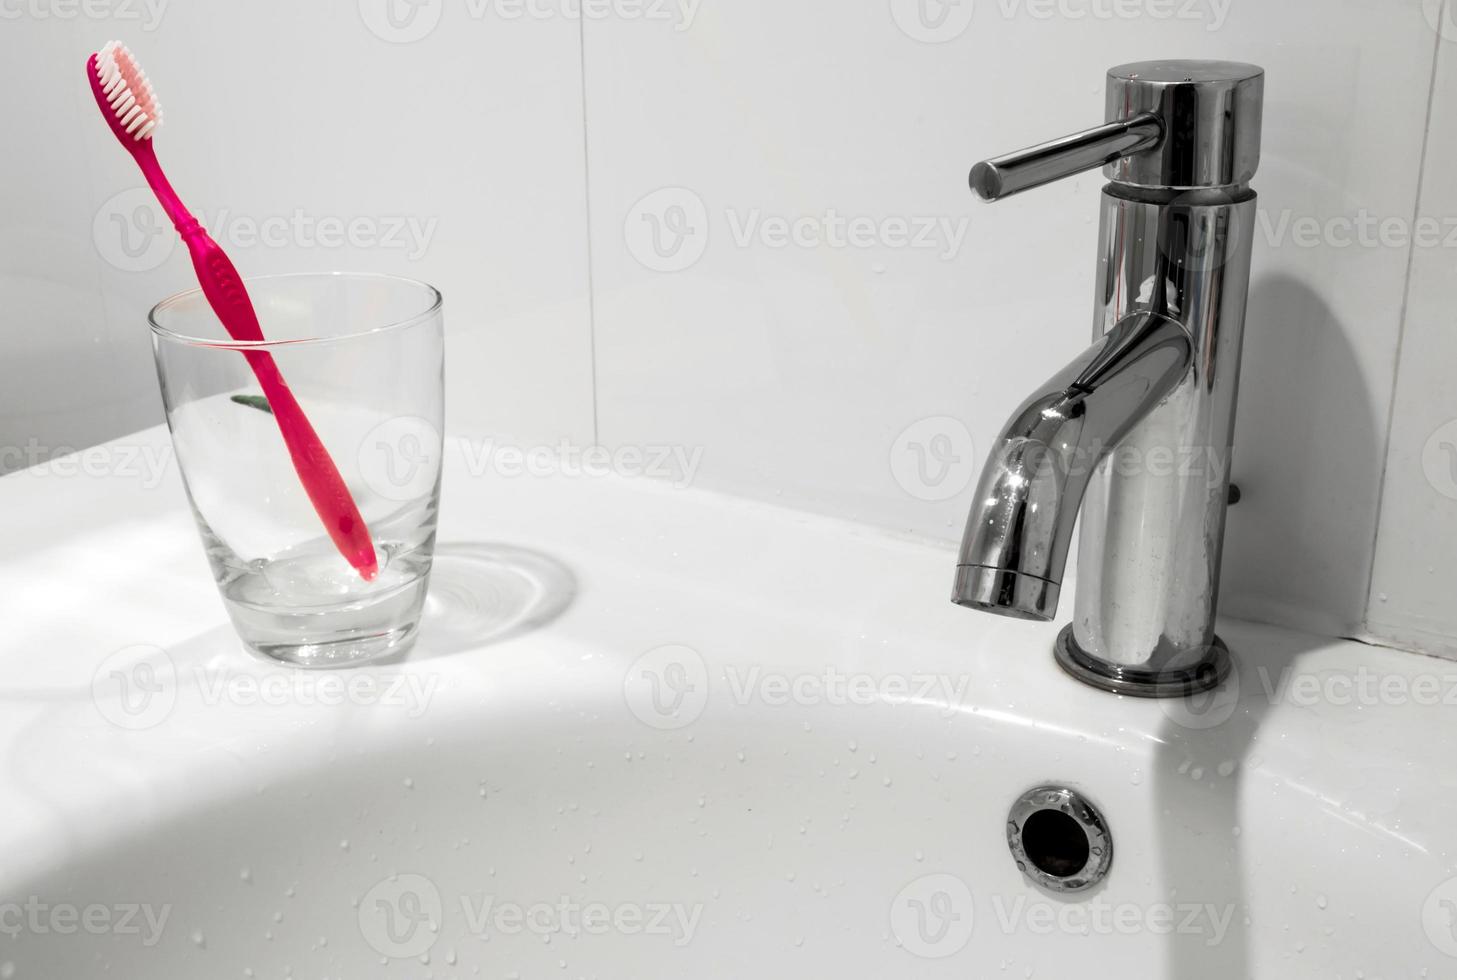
<point x="1059" y="839"/>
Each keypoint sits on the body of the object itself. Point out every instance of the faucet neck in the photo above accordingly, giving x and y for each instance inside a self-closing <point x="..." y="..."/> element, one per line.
<point x="1021" y="524"/>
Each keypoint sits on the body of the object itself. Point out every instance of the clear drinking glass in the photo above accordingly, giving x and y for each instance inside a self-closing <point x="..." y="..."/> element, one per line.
<point x="363" y="355"/>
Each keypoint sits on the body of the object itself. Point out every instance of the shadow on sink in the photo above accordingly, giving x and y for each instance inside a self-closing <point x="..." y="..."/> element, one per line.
<point x="1204" y="749"/>
<point x="485" y="593"/>
<point x="1209" y="744"/>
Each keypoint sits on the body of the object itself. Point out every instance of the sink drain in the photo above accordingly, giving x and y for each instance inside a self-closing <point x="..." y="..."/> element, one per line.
<point x="1059" y="839"/>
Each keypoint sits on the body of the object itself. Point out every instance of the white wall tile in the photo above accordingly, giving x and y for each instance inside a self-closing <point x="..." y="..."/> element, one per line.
<point x="457" y="156"/>
<point x="810" y="373"/>
<point x="813" y="374"/>
<point x="1413" y="601"/>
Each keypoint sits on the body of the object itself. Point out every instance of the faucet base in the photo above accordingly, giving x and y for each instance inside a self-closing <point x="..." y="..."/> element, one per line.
<point x="1136" y="682"/>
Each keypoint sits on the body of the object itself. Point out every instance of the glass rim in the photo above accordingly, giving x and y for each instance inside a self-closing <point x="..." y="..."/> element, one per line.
<point x="167" y="333"/>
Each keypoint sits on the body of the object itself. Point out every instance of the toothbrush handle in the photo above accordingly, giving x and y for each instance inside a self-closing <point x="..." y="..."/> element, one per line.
<point x="316" y="470"/>
<point x="224" y="289"/>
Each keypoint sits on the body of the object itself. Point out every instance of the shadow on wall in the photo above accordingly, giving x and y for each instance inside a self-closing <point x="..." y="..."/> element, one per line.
<point x="70" y="380"/>
<point x="1308" y="457"/>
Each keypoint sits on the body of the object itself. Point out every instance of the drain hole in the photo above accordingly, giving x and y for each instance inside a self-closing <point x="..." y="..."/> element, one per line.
<point x="1059" y="839"/>
<point x="1055" y="843"/>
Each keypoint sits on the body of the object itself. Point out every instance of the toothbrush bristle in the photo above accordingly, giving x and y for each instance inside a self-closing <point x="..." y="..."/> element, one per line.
<point x="133" y="103"/>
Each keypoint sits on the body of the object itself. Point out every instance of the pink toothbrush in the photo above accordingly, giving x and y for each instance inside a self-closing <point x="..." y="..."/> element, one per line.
<point x="131" y="109"/>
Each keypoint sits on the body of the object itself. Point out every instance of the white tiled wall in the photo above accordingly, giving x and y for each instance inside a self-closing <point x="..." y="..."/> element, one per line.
<point x="787" y="271"/>
<point x="1413" y="599"/>
<point x="868" y="381"/>
<point x="308" y="136"/>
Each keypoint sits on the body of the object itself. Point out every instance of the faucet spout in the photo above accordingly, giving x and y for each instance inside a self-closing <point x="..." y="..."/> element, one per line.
<point x="1020" y="529"/>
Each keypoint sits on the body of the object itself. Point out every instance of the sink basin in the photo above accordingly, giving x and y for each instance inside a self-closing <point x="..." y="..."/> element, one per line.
<point x="650" y="732"/>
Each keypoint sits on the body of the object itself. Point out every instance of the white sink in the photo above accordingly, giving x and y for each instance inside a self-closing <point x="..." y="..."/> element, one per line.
<point x="829" y="798"/>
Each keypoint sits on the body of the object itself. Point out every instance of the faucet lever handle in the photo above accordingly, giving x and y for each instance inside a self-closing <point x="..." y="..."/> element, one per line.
<point x="1003" y="176"/>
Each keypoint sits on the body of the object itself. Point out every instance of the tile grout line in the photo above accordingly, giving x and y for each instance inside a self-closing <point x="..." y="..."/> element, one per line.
<point x="587" y="206"/>
<point x="1401" y="322"/>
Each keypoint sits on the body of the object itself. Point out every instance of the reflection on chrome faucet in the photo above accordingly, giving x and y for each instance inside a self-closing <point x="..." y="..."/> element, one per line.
<point x="1158" y="386"/>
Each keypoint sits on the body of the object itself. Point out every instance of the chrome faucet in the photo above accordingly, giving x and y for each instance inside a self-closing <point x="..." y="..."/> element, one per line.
<point x="1136" y="432"/>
